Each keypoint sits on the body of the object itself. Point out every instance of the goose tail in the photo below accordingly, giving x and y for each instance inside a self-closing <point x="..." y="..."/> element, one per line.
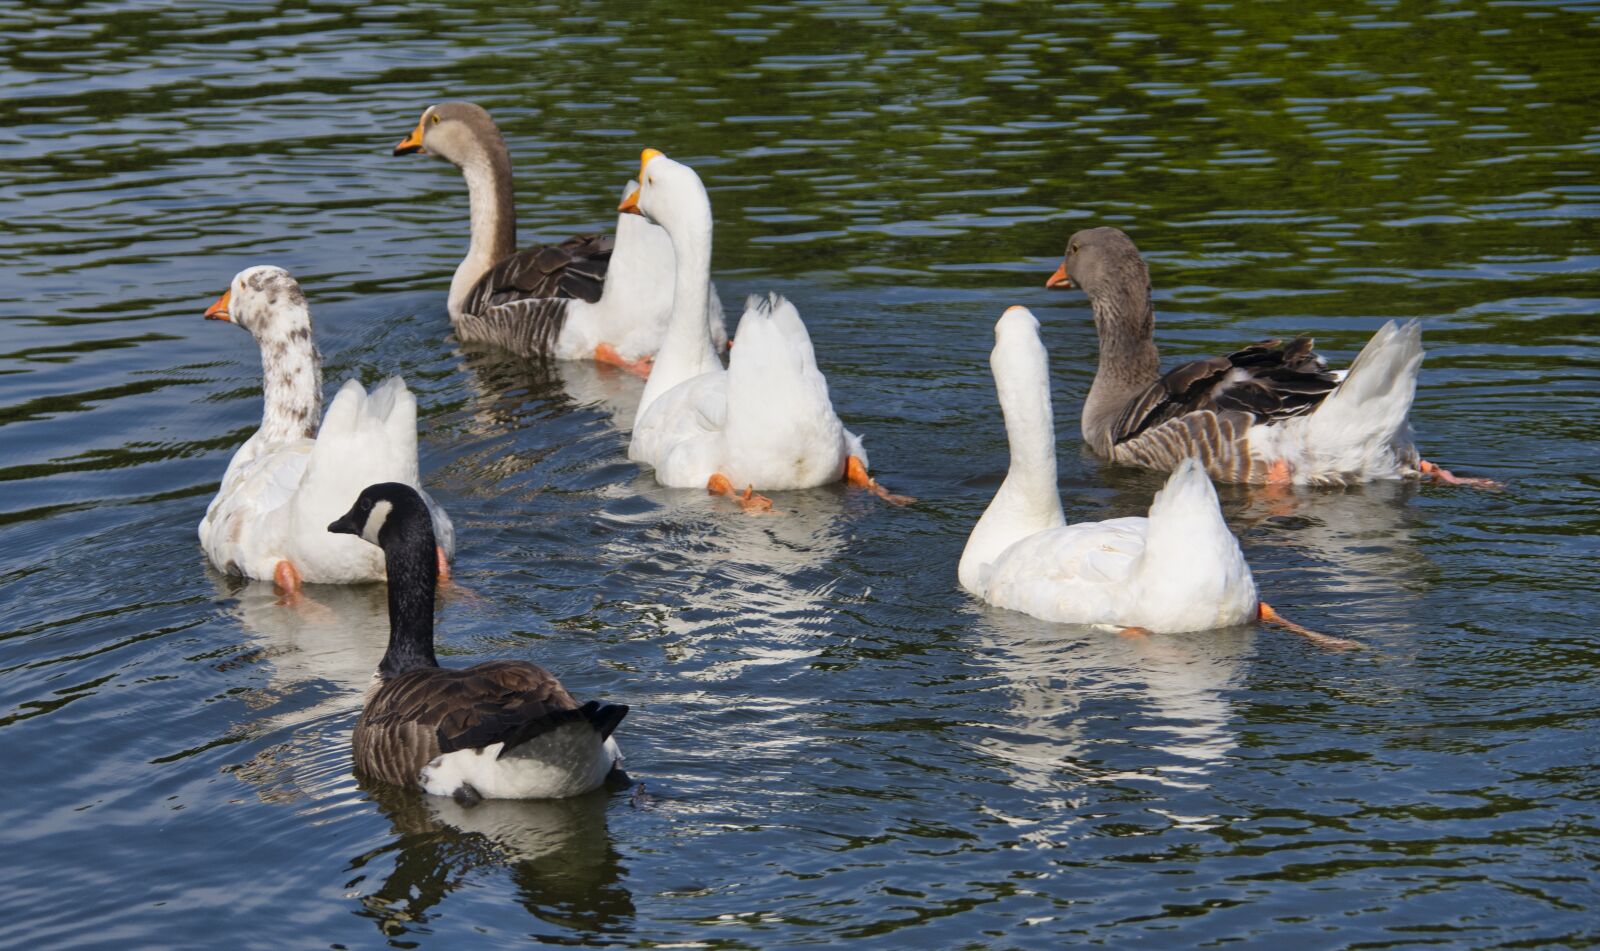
<point x="1362" y="426"/>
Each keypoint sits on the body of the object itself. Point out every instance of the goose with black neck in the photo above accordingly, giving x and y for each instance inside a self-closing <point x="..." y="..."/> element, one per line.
<point x="504" y="729"/>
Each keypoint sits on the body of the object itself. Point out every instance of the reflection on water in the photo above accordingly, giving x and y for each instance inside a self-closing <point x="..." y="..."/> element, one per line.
<point x="1173" y="689"/>
<point x="558" y="855"/>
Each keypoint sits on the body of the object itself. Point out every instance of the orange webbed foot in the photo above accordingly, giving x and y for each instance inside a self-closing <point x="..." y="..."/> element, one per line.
<point x="1266" y="615"/>
<point x="607" y="354"/>
<point x="444" y="565"/>
<point x="719" y="484"/>
<point x="287" y="578"/>
<point x="1441" y="474"/>
<point x="855" y="473"/>
<point x="1134" y="633"/>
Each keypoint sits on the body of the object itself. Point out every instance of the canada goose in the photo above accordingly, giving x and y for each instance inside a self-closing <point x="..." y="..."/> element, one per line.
<point x="299" y="468"/>
<point x="505" y="729"/>
<point x="1271" y="413"/>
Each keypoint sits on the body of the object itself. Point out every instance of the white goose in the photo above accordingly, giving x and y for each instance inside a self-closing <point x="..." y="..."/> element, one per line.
<point x="1180" y="569"/>
<point x="591" y="297"/>
<point x="765" y="422"/>
<point x="299" y="470"/>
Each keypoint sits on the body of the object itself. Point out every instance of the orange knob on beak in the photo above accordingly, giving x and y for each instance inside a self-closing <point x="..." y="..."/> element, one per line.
<point x="1059" y="279"/>
<point x="644" y="159"/>
<point x="219" y="310"/>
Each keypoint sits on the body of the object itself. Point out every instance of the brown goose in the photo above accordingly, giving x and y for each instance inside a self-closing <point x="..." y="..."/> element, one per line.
<point x="590" y="297"/>
<point x="505" y="729"/>
<point x="1271" y="413"/>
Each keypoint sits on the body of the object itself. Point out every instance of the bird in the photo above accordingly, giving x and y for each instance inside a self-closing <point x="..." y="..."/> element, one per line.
<point x="298" y="469"/>
<point x="1271" y="413"/>
<point x="503" y="729"/>
<point x="1178" y="569"/>
<point x="766" y="422"/>
<point x="589" y="297"/>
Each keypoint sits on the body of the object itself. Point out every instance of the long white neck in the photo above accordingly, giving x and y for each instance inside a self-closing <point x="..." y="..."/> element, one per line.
<point x="291" y="376"/>
<point x="686" y="350"/>
<point x="1028" y="501"/>
<point x="487" y="169"/>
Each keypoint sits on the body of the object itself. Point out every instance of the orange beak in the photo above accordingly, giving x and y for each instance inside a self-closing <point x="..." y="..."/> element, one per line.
<point x="219" y="310"/>
<point x="1059" y="279"/>
<point x="412" y="142"/>
<point x="630" y="205"/>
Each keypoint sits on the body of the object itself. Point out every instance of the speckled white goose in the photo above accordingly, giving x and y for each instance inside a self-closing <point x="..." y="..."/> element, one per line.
<point x="591" y="297"/>
<point x="765" y="422"/>
<point x="505" y="729"/>
<point x="300" y="469"/>
<point x="1179" y="569"/>
<point x="1271" y="413"/>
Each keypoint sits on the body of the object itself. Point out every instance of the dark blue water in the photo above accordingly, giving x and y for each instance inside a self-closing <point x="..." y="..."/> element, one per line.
<point x="834" y="742"/>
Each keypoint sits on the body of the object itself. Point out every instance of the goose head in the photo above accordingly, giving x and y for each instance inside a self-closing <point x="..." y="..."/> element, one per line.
<point x="390" y="515"/>
<point x="1101" y="261"/>
<point x="460" y="132"/>
<point x="670" y="194"/>
<point x="267" y="301"/>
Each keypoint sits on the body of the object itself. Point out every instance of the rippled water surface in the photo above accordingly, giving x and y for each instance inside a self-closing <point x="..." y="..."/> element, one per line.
<point x="834" y="742"/>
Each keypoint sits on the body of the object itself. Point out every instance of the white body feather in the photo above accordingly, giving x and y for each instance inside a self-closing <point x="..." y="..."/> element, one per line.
<point x="567" y="761"/>
<point x="1360" y="431"/>
<point x="1180" y="569"/>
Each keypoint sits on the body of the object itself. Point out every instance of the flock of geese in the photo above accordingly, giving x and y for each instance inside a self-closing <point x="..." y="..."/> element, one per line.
<point x="335" y="498"/>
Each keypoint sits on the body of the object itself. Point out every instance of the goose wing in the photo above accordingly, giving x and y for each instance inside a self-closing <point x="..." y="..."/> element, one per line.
<point x="422" y="714"/>
<point x="1269" y="381"/>
<point x="575" y="268"/>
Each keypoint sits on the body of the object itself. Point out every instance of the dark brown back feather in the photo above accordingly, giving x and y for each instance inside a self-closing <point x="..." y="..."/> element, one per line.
<point x="420" y="714"/>
<point x="1279" y="381"/>
<point x="573" y="269"/>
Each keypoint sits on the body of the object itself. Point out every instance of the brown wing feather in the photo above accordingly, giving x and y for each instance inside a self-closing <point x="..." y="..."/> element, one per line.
<point x="1268" y="382"/>
<point x="420" y="714"/>
<point x="574" y="269"/>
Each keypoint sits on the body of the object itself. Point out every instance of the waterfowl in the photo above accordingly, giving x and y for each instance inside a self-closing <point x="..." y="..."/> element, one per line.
<point x="765" y="422"/>
<point x="1179" y="569"/>
<point x="590" y="297"/>
<point x="1271" y="413"/>
<point x="298" y="470"/>
<point x="505" y="729"/>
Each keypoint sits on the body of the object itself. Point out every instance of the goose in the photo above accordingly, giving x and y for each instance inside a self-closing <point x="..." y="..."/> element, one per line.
<point x="1178" y="569"/>
<point x="765" y="422"/>
<point x="1271" y="413"/>
<point x="298" y="469"/>
<point x="590" y="297"/>
<point x="504" y="729"/>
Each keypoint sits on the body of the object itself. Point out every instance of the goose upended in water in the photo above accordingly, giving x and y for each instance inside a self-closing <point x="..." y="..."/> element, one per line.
<point x="1180" y="569"/>
<point x="1271" y="413"/>
<point x="590" y="297"/>
<point x="504" y="729"/>
<point x="765" y="422"/>
<point x="300" y="468"/>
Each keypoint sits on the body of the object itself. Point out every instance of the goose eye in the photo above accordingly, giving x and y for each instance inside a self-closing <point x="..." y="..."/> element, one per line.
<point x="366" y="505"/>
<point x="1074" y="249"/>
<point x="434" y="119"/>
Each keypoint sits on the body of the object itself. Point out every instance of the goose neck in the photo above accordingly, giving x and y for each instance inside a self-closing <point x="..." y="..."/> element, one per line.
<point x="492" y="209"/>
<point x="686" y="349"/>
<point x="412" y="574"/>
<point x="291" y="383"/>
<point x="1129" y="362"/>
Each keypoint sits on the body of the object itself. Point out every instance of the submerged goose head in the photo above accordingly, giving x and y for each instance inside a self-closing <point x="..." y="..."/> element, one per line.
<point x="268" y="302"/>
<point x="671" y="195"/>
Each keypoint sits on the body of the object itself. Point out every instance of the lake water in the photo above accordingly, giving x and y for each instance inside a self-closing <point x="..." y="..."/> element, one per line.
<point x="834" y="742"/>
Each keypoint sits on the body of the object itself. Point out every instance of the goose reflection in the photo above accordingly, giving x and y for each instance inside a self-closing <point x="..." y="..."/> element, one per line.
<point x="1104" y="707"/>
<point x="502" y="385"/>
<point x="557" y="853"/>
<point x="322" y="650"/>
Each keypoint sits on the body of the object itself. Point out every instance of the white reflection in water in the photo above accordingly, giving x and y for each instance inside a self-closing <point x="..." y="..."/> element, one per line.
<point x="1077" y="695"/>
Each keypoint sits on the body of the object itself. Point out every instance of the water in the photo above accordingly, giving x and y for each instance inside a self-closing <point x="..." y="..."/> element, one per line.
<point x="834" y="742"/>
